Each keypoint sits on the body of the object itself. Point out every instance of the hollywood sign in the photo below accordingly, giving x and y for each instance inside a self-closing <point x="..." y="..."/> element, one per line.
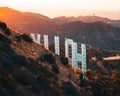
<point x="75" y="52"/>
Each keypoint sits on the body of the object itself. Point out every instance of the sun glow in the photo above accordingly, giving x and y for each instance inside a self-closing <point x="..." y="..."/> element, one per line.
<point x="53" y="7"/>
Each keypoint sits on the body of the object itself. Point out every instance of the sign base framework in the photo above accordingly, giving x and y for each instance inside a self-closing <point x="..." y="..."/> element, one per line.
<point x="76" y="55"/>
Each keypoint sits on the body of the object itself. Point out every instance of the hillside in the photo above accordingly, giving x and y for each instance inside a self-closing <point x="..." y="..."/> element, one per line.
<point x="95" y="32"/>
<point x="28" y="69"/>
<point x="25" y="22"/>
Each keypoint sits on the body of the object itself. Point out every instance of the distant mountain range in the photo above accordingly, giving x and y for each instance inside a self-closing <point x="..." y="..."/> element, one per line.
<point x="87" y="19"/>
<point x="93" y="30"/>
<point x="98" y="34"/>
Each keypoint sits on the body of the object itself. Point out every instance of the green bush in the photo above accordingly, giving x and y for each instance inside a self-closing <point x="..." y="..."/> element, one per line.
<point x="3" y="26"/>
<point x="69" y="89"/>
<point x="3" y="92"/>
<point x="55" y="69"/>
<point x="24" y="77"/>
<point x="26" y="38"/>
<point x="64" y="60"/>
<point x="47" y="58"/>
<point x="50" y="59"/>
<point x="4" y="39"/>
<point x="18" y="38"/>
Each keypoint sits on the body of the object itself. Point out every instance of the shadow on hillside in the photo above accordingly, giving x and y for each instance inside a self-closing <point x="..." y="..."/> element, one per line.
<point x="16" y="69"/>
<point x="6" y="30"/>
<point x="69" y="89"/>
<point x="20" y="75"/>
<point x="50" y="59"/>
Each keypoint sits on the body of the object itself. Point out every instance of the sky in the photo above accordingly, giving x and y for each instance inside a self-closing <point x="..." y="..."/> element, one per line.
<point x="54" y="8"/>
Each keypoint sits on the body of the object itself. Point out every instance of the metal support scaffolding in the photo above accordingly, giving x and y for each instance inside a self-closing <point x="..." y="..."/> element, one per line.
<point x="46" y="41"/>
<point x="72" y="52"/>
<point x="57" y="47"/>
<point x="75" y="52"/>
<point x="36" y="37"/>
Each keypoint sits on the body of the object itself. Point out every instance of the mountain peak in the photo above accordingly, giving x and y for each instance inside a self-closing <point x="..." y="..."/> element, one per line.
<point x="5" y="8"/>
<point x="6" y="12"/>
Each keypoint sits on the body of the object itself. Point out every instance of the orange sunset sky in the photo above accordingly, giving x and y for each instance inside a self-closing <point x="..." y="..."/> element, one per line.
<point x="54" y="8"/>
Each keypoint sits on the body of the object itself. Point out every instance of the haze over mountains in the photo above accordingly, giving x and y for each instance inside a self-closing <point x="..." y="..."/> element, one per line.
<point x="87" y="19"/>
<point x="93" y="30"/>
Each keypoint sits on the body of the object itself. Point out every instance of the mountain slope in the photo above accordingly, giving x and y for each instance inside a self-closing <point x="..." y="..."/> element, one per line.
<point x="25" y="22"/>
<point x="87" y="19"/>
<point x="97" y="34"/>
<point x="28" y="69"/>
